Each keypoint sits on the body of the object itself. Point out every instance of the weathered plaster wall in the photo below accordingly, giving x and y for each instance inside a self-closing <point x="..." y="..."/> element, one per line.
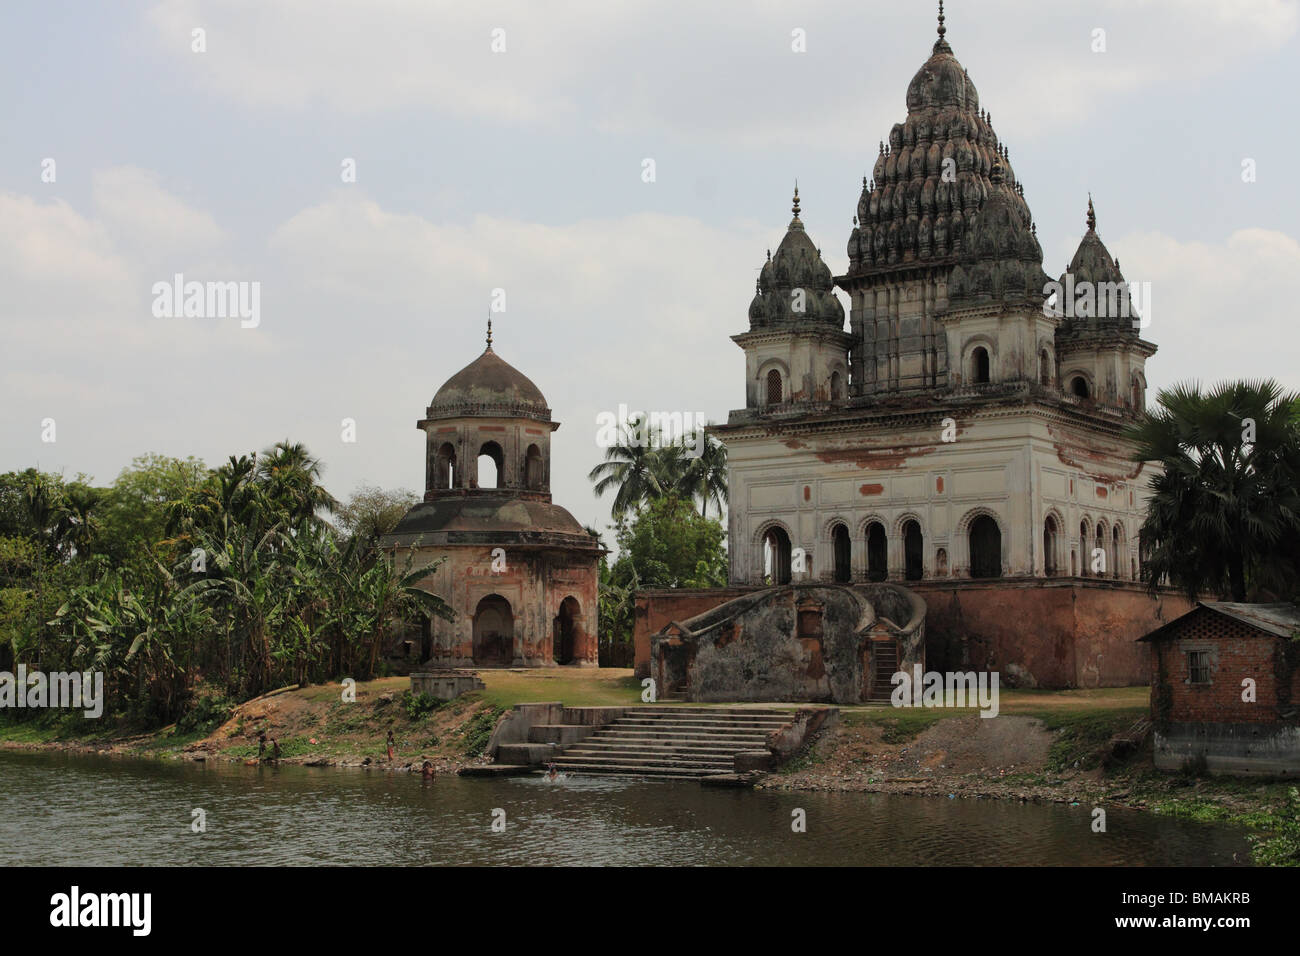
<point x="804" y="643"/>
<point x="1050" y="633"/>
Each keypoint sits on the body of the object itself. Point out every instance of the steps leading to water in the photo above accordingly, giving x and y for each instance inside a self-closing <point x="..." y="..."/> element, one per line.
<point x="671" y="741"/>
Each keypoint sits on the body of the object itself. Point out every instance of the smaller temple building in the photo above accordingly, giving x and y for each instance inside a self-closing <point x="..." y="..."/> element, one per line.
<point x="1225" y="689"/>
<point x="520" y="572"/>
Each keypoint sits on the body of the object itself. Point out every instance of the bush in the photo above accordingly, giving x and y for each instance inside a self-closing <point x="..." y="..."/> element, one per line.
<point x="1282" y="847"/>
<point x="418" y="706"/>
<point x="205" y="714"/>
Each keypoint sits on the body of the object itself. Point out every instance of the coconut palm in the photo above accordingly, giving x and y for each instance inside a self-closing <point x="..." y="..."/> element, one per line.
<point x="704" y="477"/>
<point x="635" y="469"/>
<point x="1225" y="510"/>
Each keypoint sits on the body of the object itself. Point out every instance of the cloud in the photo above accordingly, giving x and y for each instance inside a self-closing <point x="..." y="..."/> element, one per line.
<point x="723" y="70"/>
<point x="138" y="211"/>
<point x="1219" y="311"/>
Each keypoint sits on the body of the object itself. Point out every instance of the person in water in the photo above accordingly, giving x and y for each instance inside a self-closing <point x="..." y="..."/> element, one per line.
<point x="275" y="750"/>
<point x="390" y="746"/>
<point x="261" y="745"/>
<point x="427" y="770"/>
<point x="551" y="772"/>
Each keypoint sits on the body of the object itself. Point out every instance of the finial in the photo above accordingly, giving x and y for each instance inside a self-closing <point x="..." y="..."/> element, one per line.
<point x="855" y="222"/>
<point x="995" y="174"/>
<point x="1092" y="215"/>
<point x="942" y="29"/>
<point x="489" y="335"/>
<point x="1033" y="228"/>
<point x="864" y="182"/>
<point x="769" y="255"/>
<point x="882" y="147"/>
<point x="796" y="199"/>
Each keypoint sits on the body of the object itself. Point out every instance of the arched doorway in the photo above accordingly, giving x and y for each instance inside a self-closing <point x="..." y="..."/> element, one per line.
<point x="494" y="632"/>
<point x="568" y="628"/>
<point x="843" y="550"/>
<point x="913" y="545"/>
<point x="985" y="548"/>
<point x="776" y="555"/>
<point x="980" y="366"/>
<point x="877" y="552"/>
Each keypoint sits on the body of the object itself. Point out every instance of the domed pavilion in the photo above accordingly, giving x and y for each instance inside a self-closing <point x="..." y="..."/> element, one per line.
<point x="520" y="571"/>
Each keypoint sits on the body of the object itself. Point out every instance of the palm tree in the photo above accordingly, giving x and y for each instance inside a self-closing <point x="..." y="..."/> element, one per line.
<point x="1225" y="512"/>
<point x="704" y="477"/>
<point x="291" y="477"/>
<point x="635" y="469"/>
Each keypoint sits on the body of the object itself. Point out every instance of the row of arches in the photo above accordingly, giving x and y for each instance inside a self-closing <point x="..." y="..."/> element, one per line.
<point x="491" y="470"/>
<point x="1102" y="552"/>
<point x="983" y="539"/>
<point x="494" y="632"/>
<point x="1077" y="382"/>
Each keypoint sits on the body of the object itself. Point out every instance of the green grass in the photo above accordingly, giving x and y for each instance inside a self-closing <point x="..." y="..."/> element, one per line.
<point x="584" y="687"/>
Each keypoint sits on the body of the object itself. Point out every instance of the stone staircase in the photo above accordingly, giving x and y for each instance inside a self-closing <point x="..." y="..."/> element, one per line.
<point x="672" y="741"/>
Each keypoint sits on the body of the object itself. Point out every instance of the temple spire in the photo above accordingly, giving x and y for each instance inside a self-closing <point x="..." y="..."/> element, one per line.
<point x="1092" y="215"/>
<point x="795" y="208"/>
<point x="942" y="28"/>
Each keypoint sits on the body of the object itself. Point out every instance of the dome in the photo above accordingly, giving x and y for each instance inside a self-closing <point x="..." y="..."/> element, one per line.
<point x="1001" y="259"/>
<point x="933" y="174"/>
<point x="797" y="267"/>
<point x="1092" y="263"/>
<point x="489" y="387"/>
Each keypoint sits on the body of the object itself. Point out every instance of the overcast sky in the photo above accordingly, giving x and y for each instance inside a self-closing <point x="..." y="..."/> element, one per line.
<point x="522" y="170"/>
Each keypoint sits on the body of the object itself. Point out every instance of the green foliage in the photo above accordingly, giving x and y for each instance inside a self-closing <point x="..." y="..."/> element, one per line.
<point x="177" y="573"/>
<point x="1282" y="846"/>
<point x="1224" y="517"/>
<point x="419" y="706"/>
<point x="477" y="731"/>
<point x="205" y="714"/>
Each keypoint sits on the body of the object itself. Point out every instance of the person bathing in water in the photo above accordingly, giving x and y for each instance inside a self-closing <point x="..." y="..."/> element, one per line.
<point x="427" y="770"/>
<point x="390" y="746"/>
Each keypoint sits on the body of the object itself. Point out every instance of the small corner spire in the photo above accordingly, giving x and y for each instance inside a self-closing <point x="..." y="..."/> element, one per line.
<point x="489" y="334"/>
<point x="1092" y="215"/>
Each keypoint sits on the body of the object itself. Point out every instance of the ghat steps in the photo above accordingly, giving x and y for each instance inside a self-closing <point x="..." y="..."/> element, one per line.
<point x="671" y="741"/>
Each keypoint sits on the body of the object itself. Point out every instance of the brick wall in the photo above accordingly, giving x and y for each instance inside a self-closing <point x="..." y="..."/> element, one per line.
<point x="1236" y="651"/>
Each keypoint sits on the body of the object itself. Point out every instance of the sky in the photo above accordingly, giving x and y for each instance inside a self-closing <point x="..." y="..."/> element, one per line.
<point x="503" y="145"/>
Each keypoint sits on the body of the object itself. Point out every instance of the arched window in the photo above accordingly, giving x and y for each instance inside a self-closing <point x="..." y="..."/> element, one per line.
<point x="444" y="467"/>
<point x="774" y="392"/>
<point x="941" y="562"/>
<point x="913" y="545"/>
<point x="985" y="548"/>
<point x="1079" y="386"/>
<point x="776" y="555"/>
<point x="1139" y="394"/>
<point x="1050" y="537"/>
<point x="491" y="466"/>
<point x="980" y="365"/>
<point x="533" y="469"/>
<point x="877" y="552"/>
<point x="842" y="548"/>
<point x="837" y="387"/>
<point x="1044" y="368"/>
<point x="1099" y="551"/>
<point x="1116" y="551"/>
<point x="1084" y="557"/>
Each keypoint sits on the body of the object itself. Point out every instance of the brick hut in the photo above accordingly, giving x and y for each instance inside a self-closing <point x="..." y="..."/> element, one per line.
<point x="1225" y="688"/>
